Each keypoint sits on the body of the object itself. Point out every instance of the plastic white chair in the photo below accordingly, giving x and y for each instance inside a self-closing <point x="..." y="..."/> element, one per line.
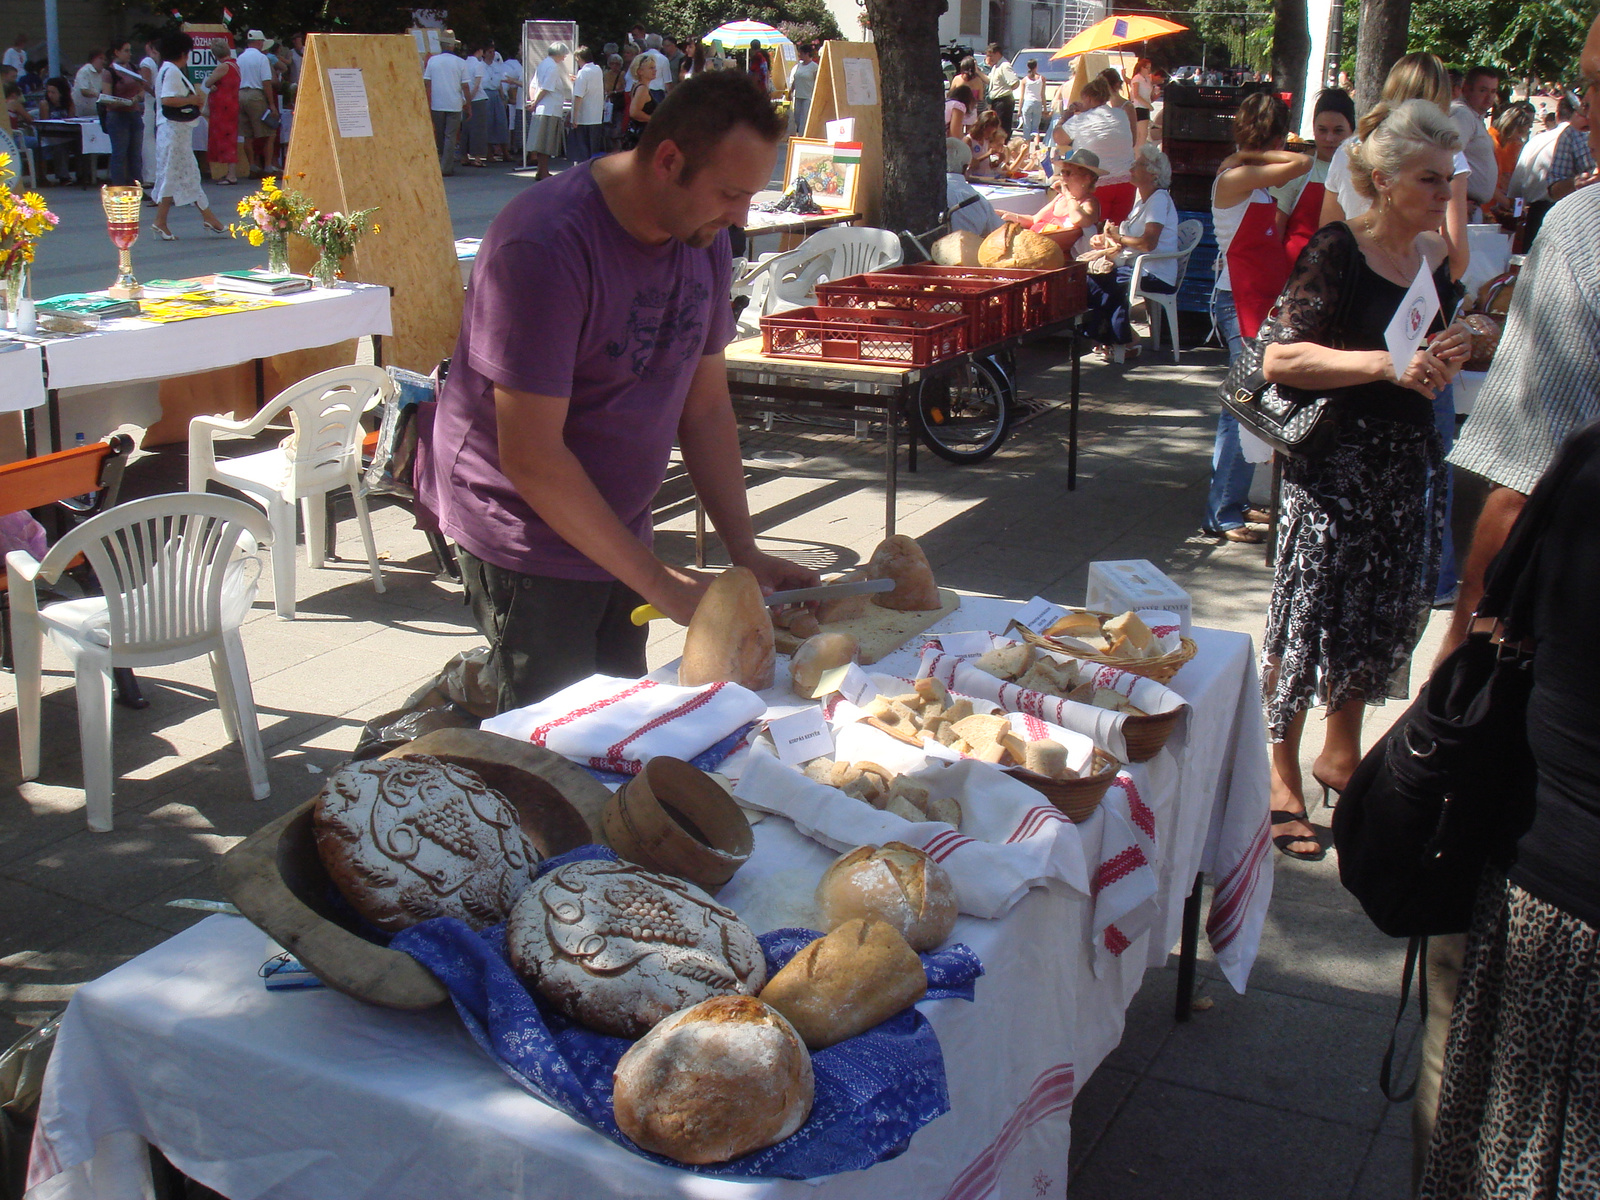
<point x="792" y="277"/>
<point x="323" y="454"/>
<point x="21" y="158"/>
<point x="179" y="573"/>
<point x="1188" y="238"/>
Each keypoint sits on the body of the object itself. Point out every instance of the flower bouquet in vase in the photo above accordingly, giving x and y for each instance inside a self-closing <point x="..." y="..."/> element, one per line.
<point x="270" y="216"/>
<point x="335" y="235"/>
<point x="24" y="220"/>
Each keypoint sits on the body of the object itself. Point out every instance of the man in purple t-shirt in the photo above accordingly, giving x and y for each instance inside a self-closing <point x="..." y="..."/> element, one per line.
<point x="592" y="339"/>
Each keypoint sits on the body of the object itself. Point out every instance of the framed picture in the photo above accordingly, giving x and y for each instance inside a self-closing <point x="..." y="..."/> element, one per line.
<point x="833" y="185"/>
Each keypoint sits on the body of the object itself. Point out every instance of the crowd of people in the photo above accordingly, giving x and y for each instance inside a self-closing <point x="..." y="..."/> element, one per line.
<point x="581" y="102"/>
<point x="241" y="101"/>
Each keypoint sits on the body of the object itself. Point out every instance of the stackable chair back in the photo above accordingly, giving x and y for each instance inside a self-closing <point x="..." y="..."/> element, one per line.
<point x="827" y="254"/>
<point x="1188" y="238"/>
<point x="322" y="454"/>
<point x="179" y="572"/>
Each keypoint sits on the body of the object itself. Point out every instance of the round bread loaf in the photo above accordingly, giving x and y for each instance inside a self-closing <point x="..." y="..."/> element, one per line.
<point x="1013" y="246"/>
<point x="858" y="976"/>
<point x="617" y="948"/>
<point x="818" y="655"/>
<point x="894" y="883"/>
<point x="715" y="1081"/>
<point x="408" y="839"/>
<point x="900" y="558"/>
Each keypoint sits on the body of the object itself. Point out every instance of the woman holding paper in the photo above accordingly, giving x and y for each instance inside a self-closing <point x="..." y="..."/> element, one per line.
<point x="1359" y="542"/>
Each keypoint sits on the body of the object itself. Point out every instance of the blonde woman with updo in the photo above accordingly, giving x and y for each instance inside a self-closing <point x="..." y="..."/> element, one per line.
<point x="1360" y="528"/>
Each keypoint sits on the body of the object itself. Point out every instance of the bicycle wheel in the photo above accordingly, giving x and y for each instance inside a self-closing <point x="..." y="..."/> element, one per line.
<point x="962" y="414"/>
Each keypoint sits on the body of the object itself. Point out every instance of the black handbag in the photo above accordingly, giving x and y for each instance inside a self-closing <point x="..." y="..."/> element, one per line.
<point x="1447" y="793"/>
<point x="1289" y="420"/>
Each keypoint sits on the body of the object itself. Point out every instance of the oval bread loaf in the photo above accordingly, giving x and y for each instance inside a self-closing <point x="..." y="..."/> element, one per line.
<point x="817" y="655"/>
<point x="895" y="883"/>
<point x="730" y="635"/>
<point x="715" y="1081"/>
<point x="843" y="984"/>
<point x="900" y="558"/>
<point x="1013" y="246"/>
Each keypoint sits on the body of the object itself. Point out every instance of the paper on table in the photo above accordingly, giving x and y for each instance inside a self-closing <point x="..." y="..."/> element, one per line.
<point x="350" y="107"/>
<point x="860" y="84"/>
<point x="801" y="736"/>
<point x="1411" y="319"/>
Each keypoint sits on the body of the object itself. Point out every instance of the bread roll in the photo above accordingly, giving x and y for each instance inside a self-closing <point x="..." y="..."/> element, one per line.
<point x="843" y="984"/>
<point x="900" y="558"/>
<point x="896" y="883"/>
<point x="408" y="839"/>
<point x="1013" y="246"/>
<point x="617" y="948"/>
<point x="817" y="656"/>
<point x="1076" y="625"/>
<point x="958" y="249"/>
<point x="946" y="809"/>
<point x="715" y="1081"/>
<point x="730" y="635"/>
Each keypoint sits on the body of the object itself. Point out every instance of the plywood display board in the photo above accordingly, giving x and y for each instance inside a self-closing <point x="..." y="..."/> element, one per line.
<point x="347" y="157"/>
<point x="848" y="85"/>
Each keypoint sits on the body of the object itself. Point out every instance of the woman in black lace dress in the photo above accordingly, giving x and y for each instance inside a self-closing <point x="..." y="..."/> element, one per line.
<point x="1359" y="545"/>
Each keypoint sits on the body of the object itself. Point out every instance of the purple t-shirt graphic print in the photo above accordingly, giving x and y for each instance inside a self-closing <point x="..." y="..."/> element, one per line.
<point x="565" y="302"/>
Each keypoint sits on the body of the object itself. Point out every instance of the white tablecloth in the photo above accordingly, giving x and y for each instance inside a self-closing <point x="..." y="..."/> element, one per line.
<point x="315" y="1096"/>
<point x="1025" y="201"/>
<point x="21" y="379"/>
<point x="131" y="349"/>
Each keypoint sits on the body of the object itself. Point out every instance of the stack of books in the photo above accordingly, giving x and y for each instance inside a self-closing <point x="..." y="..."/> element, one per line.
<point x="260" y="283"/>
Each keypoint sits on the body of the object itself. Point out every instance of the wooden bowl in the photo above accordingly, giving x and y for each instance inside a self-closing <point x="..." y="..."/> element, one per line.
<point x="674" y="818"/>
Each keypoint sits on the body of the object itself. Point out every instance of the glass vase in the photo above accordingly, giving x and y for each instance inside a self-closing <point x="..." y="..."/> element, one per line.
<point x="277" y="253"/>
<point x="19" y="303"/>
<point x="326" y="271"/>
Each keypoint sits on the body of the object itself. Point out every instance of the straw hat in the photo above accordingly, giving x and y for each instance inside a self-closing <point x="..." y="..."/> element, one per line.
<point x="1087" y="160"/>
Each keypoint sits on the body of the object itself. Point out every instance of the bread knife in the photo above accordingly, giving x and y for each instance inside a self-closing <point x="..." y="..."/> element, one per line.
<point x="827" y="591"/>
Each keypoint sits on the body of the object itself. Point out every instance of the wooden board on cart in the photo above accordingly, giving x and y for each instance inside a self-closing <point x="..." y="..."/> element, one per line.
<point x="880" y="631"/>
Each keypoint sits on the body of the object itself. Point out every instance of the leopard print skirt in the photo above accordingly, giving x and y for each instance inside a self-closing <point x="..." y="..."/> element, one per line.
<point x="1519" y="1106"/>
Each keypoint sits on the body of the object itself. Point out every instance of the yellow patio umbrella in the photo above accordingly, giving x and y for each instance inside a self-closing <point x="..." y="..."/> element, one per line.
<point x="1117" y="31"/>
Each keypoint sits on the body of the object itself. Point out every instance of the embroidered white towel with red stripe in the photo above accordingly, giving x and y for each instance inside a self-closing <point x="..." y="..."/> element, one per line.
<point x="1011" y="837"/>
<point x="619" y="724"/>
<point x="1104" y="726"/>
<point x="1124" y="883"/>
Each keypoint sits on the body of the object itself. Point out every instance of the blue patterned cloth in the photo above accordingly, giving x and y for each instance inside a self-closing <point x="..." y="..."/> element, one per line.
<point x="707" y="760"/>
<point x="873" y="1091"/>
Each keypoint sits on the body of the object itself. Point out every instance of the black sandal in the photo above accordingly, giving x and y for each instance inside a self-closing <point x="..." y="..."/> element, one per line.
<point x="1284" y="840"/>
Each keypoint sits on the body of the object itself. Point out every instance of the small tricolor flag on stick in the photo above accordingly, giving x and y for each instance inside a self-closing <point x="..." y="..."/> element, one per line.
<point x="847" y="154"/>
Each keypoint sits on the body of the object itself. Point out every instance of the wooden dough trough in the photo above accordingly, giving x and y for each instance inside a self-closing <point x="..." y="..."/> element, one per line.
<point x="276" y="878"/>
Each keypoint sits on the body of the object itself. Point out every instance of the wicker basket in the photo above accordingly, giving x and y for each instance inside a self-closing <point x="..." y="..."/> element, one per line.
<point x="1160" y="669"/>
<point x="1077" y="798"/>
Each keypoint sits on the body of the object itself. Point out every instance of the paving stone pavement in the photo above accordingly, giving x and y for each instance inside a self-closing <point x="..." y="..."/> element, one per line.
<point x="1273" y="1093"/>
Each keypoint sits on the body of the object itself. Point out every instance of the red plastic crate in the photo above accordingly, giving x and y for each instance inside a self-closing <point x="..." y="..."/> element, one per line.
<point x="1042" y="297"/>
<point x="987" y="305"/>
<point x="889" y="337"/>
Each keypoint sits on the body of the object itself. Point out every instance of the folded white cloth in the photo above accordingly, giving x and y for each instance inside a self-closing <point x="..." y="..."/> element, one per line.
<point x="1011" y="837"/>
<point x="618" y="724"/>
<point x="1101" y="724"/>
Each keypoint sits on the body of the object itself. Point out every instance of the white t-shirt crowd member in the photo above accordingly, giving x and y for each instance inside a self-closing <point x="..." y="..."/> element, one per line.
<point x="445" y="74"/>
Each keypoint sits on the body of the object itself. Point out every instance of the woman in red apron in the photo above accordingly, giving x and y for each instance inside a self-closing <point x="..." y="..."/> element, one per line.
<point x="1252" y="267"/>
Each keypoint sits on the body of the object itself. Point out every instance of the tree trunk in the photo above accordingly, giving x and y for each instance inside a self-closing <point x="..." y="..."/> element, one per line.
<point x="1380" y="40"/>
<point x="907" y="36"/>
<point x="1291" y="47"/>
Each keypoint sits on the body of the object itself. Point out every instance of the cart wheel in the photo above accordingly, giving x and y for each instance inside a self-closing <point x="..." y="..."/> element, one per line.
<point x="964" y="413"/>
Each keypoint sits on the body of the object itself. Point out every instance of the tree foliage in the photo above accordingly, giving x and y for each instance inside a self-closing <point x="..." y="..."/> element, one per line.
<point x="694" y="18"/>
<point x="1543" y="38"/>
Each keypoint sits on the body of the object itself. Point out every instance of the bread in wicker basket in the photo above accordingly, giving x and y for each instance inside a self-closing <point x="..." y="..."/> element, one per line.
<point x="1160" y="669"/>
<point x="1077" y="798"/>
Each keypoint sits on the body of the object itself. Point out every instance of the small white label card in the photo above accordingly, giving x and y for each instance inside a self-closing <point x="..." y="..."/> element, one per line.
<point x="842" y="130"/>
<point x="1411" y="319"/>
<point x="1039" y="614"/>
<point x="801" y="736"/>
<point x="966" y="645"/>
<point x="850" y="681"/>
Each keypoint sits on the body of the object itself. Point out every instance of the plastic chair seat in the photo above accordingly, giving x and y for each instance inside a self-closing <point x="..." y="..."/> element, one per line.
<point x="323" y="455"/>
<point x="179" y="572"/>
<point x="1189" y="234"/>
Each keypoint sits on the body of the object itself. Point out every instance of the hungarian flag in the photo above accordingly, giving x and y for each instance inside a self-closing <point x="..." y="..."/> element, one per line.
<point x="847" y="154"/>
